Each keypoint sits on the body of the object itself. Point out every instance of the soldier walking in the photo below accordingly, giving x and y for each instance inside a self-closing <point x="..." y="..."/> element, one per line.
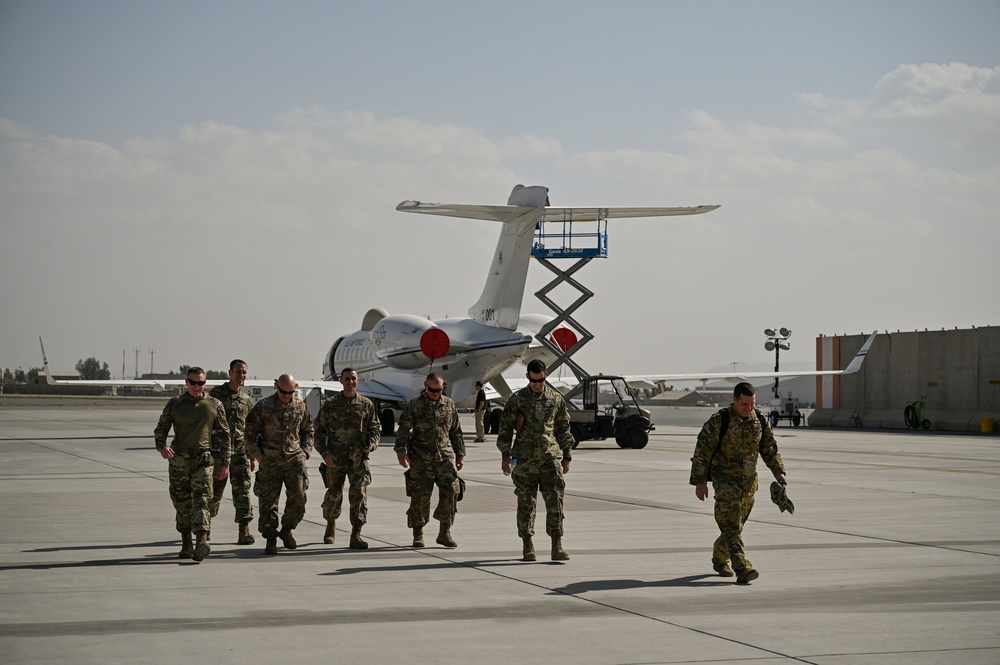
<point x="199" y="422"/>
<point x="726" y="454"/>
<point x="537" y="415"/>
<point x="279" y="434"/>
<point x="429" y="443"/>
<point x="347" y="432"/>
<point x="238" y="405"/>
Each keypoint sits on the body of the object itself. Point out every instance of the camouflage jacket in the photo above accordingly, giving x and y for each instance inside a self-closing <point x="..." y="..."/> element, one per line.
<point x="541" y="423"/>
<point x="427" y="427"/>
<point x="346" y="424"/>
<point x="199" y="424"/>
<point x="734" y="459"/>
<point x="277" y="430"/>
<point x="238" y="405"/>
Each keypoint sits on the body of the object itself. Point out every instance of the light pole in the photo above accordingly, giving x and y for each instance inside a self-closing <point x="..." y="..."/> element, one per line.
<point x="777" y="340"/>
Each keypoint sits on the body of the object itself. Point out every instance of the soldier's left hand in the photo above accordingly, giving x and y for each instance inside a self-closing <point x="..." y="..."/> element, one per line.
<point x="329" y="461"/>
<point x="780" y="477"/>
<point x="565" y="466"/>
<point x="459" y="464"/>
<point x="223" y="473"/>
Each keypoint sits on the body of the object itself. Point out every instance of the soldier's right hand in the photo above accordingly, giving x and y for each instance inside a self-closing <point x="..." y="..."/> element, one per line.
<point x="404" y="461"/>
<point x="328" y="460"/>
<point x="701" y="491"/>
<point x="167" y="452"/>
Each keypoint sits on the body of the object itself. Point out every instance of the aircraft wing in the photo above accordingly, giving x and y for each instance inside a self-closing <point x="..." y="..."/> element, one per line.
<point x="651" y="380"/>
<point x="378" y="390"/>
<point x="643" y="381"/>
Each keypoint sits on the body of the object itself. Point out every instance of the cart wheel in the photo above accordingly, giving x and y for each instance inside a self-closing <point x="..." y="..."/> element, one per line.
<point x="796" y="420"/>
<point x="773" y="418"/>
<point x="926" y="424"/>
<point x="637" y="438"/>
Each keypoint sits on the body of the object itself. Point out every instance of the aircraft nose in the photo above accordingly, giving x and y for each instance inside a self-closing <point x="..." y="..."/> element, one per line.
<point x="434" y="343"/>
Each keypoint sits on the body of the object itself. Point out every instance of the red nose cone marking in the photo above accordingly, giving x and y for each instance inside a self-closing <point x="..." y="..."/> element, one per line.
<point x="435" y="343"/>
<point x="564" y="338"/>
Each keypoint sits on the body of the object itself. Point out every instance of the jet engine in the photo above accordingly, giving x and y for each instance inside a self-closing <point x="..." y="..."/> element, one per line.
<point x="408" y="342"/>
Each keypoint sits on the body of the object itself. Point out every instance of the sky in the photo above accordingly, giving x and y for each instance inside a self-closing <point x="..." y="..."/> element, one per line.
<point x="210" y="180"/>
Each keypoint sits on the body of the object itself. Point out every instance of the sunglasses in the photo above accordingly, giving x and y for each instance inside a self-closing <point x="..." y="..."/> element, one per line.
<point x="196" y="383"/>
<point x="531" y="380"/>
<point x="434" y="390"/>
<point x="284" y="392"/>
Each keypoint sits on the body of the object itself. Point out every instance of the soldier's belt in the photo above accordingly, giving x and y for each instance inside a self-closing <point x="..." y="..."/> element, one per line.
<point x="190" y="454"/>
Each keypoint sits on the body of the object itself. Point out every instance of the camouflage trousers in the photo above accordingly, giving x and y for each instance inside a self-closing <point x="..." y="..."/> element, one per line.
<point x="272" y="475"/>
<point x="733" y="503"/>
<point x="358" y="474"/>
<point x="239" y="474"/>
<point x="424" y="474"/>
<point x="530" y="478"/>
<point x="190" y="477"/>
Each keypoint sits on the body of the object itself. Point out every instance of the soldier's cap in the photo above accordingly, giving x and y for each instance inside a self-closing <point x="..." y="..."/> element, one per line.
<point x="780" y="497"/>
<point x="461" y="488"/>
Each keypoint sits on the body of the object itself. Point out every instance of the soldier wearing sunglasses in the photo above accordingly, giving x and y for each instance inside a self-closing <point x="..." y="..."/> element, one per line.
<point x="429" y="443"/>
<point x="542" y="447"/>
<point x="279" y="435"/>
<point x="199" y="424"/>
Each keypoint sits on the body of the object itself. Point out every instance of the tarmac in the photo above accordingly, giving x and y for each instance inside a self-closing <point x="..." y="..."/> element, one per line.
<point x="892" y="556"/>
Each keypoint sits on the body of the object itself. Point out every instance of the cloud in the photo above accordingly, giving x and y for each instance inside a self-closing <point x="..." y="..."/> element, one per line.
<point x="955" y="104"/>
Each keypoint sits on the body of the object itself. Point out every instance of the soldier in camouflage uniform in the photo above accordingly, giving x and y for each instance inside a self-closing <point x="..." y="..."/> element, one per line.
<point x="279" y="435"/>
<point x="238" y="405"/>
<point x="731" y="465"/>
<point x="543" y="446"/>
<point x="429" y="443"/>
<point x="347" y="432"/>
<point x="199" y="422"/>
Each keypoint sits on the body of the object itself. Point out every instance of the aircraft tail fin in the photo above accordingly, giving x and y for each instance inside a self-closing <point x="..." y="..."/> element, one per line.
<point x="500" y="303"/>
<point x="49" y="379"/>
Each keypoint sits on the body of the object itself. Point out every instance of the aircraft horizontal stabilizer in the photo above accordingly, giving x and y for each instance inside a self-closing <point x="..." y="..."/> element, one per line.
<point x="491" y="213"/>
<point x="566" y="214"/>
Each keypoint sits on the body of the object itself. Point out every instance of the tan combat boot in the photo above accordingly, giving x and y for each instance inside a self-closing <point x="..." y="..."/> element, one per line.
<point x="246" y="538"/>
<point x="356" y="542"/>
<point x="187" y="546"/>
<point x="558" y="553"/>
<point x="201" y="548"/>
<point x="330" y="535"/>
<point x="528" y="551"/>
<point x="444" y="536"/>
<point x="287" y="540"/>
<point x="418" y="536"/>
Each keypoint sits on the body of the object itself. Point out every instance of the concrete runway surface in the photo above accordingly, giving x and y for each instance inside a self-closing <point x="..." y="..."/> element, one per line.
<point x="892" y="556"/>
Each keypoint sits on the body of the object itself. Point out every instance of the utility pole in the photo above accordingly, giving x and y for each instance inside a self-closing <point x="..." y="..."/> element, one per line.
<point x="123" y="364"/>
<point x="152" y="352"/>
<point x="137" y="349"/>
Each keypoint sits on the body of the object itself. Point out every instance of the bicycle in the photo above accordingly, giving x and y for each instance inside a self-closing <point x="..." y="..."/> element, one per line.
<point x="913" y="415"/>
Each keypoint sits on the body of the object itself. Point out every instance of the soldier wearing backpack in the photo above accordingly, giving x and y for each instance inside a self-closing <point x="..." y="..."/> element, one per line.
<point x="726" y="454"/>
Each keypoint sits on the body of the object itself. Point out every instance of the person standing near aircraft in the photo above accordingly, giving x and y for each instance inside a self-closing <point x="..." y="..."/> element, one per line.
<point x="429" y="443"/>
<point x="238" y="405"/>
<point x="198" y="421"/>
<point x="347" y="432"/>
<point x="726" y="454"/>
<point x="279" y="434"/>
<point x="543" y="451"/>
<point x="480" y="412"/>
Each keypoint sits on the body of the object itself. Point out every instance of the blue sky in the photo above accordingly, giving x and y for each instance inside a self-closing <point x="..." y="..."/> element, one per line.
<point x="219" y="178"/>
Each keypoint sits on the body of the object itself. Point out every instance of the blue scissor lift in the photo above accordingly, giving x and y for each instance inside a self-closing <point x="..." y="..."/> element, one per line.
<point x="583" y="240"/>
